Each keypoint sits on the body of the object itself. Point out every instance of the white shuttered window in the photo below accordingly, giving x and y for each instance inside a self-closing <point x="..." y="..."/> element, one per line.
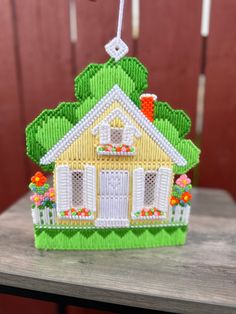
<point x="151" y="189"/>
<point x="75" y="188"/>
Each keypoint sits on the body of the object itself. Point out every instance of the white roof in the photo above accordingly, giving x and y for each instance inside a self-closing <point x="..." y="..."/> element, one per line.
<point x="115" y="94"/>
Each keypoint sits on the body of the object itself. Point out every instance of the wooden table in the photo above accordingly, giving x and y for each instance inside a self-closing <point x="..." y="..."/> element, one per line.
<point x="199" y="277"/>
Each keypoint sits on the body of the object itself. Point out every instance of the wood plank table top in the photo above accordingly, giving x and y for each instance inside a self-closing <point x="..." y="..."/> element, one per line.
<point x="199" y="277"/>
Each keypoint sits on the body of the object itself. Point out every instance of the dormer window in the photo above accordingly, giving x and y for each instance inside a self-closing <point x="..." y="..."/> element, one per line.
<point x="116" y="140"/>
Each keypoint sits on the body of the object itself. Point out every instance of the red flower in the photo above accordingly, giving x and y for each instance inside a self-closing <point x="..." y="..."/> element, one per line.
<point x="38" y="179"/>
<point x="143" y="213"/>
<point x="174" y="201"/>
<point x="186" y="197"/>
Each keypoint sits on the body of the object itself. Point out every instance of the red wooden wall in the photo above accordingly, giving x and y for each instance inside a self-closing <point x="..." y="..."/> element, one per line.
<point x="38" y="62"/>
<point x="217" y="168"/>
<point x="170" y="46"/>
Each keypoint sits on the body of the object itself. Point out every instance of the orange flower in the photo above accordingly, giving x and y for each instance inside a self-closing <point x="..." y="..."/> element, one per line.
<point x="174" y="201"/>
<point x="38" y="179"/>
<point x="186" y="197"/>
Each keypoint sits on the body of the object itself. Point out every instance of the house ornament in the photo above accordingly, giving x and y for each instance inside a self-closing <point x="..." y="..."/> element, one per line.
<point x="119" y="159"/>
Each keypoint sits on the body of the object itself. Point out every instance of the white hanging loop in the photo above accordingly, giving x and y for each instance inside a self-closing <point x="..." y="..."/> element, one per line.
<point x="117" y="48"/>
<point x="120" y="18"/>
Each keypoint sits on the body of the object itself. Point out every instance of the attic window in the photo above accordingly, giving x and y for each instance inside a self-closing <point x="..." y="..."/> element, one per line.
<point x="116" y="141"/>
<point x="116" y="136"/>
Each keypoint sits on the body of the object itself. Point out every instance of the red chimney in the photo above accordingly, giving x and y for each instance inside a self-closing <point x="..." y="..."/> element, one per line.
<point x="147" y="105"/>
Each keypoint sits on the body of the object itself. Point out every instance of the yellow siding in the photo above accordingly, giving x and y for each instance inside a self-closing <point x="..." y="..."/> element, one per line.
<point x="83" y="151"/>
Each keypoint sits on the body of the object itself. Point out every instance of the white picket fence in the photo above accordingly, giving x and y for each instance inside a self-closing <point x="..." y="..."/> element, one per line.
<point x="45" y="216"/>
<point x="179" y="214"/>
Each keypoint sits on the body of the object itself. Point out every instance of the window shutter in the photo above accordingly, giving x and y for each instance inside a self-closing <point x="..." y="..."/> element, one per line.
<point x="138" y="189"/>
<point x="63" y="188"/>
<point x="90" y="187"/>
<point x="127" y="135"/>
<point x="163" y="186"/>
<point x="105" y="133"/>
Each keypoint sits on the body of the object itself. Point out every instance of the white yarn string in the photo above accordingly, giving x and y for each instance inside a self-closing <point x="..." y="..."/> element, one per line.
<point x="117" y="48"/>
<point x="120" y="18"/>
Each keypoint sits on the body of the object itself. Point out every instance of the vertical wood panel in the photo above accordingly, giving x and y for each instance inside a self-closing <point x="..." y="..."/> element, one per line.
<point x="170" y="47"/>
<point x="217" y="167"/>
<point x="45" y="54"/>
<point x="13" y="173"/>
<point x="97" y="23"/>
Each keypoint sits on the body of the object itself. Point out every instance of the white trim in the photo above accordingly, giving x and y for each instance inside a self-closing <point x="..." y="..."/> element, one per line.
<point x="80" y="227"/>
<point x="154" y="97"/>
<point x="109" y="222"/>
<point x="115" y="94"/>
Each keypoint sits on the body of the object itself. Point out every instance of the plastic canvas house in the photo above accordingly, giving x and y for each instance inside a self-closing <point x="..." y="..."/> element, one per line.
<point x="114" y="154"/>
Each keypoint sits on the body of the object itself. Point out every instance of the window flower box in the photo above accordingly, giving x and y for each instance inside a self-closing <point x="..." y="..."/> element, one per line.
<point x="77" y="214"/>
<point x="121" y="149"/>
<point x="149" y="213"/>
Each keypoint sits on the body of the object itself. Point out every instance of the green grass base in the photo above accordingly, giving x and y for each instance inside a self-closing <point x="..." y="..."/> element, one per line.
<point x="109" y="239"/>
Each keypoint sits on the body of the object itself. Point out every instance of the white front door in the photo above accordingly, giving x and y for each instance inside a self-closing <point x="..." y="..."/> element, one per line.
<point x="114" y="198"/>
